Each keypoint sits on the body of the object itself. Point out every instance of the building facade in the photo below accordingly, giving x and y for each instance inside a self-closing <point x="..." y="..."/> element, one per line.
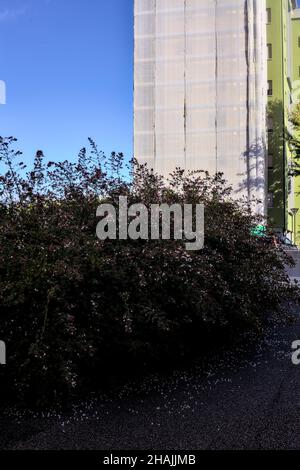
<point x="294" y="225"/>
<point x="201" y="90"/>
<point x="281" y="63"/>
<point x="215" y="83"/>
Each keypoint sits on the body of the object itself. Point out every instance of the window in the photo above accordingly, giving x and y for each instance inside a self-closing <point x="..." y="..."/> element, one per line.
<point x="270" y="200"/>
<point x="270" y="87"/>
<point x="299" y="71"/>
<point x="270" y="162"/>
<point x="290" y="185"/>
<point x="270" y="124"/>
<point x="269" y="51"/>
<point x="269" y="15"/>
<point x="298" y="41"/>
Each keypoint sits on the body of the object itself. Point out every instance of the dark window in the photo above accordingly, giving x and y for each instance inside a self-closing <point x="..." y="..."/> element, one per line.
<point x="270" y="126"/>
<point x="270" y="162"/>
<point x="270" y="87"/>
<point x="269" y="51"/>
<point x="269" y="15"/>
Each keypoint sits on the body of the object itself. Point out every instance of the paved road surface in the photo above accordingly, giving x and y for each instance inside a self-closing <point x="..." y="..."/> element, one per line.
<point x="294" y="272"/>
<point x="244" y="401"/>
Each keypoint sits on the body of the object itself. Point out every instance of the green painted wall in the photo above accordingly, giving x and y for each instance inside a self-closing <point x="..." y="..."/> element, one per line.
<point x="296" y="46"/>
<point x="278" y="31"/>
<point x="296" y="98"/>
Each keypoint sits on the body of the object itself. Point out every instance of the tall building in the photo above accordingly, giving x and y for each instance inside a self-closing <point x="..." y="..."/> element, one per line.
<point x="294" y="225"/>
<point x="201" y="89"/>
<point x="211" y="77"/>
<point x="282" y="63"/>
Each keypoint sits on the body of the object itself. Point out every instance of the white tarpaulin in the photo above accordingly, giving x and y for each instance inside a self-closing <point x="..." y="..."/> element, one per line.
<point x="200" y="89"/>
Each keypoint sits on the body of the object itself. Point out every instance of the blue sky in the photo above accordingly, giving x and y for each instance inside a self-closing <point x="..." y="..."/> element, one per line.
<point x="68" y="68"/>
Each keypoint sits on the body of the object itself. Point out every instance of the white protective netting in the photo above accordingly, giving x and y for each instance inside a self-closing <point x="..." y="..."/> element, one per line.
<point x="200" y="89"/>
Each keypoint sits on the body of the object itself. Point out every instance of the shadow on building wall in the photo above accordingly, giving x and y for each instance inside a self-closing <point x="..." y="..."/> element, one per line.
<point x="272" y="172"/>
<point x="253" y="181"/>
<point x="277" y="161"/>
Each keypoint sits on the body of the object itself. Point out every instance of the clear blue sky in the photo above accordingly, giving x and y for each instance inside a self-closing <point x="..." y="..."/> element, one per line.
<point x="68" y="68"/>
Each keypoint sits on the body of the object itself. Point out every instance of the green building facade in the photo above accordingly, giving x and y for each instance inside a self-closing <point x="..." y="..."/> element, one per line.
<point x="296" y="99"/>
<point x="283" y="53"/>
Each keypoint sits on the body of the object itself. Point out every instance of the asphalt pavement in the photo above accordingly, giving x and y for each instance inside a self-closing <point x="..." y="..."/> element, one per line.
<point x="246" y="399"/>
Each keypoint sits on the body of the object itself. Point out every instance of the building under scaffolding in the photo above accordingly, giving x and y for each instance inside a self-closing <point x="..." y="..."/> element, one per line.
<point x="201" y="89"/>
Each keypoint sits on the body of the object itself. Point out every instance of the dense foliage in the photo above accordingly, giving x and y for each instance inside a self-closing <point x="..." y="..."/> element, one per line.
<point x="73" y="306"/>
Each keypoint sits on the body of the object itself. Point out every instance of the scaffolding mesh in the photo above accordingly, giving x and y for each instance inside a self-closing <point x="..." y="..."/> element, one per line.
<point x="200" y="89"/>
